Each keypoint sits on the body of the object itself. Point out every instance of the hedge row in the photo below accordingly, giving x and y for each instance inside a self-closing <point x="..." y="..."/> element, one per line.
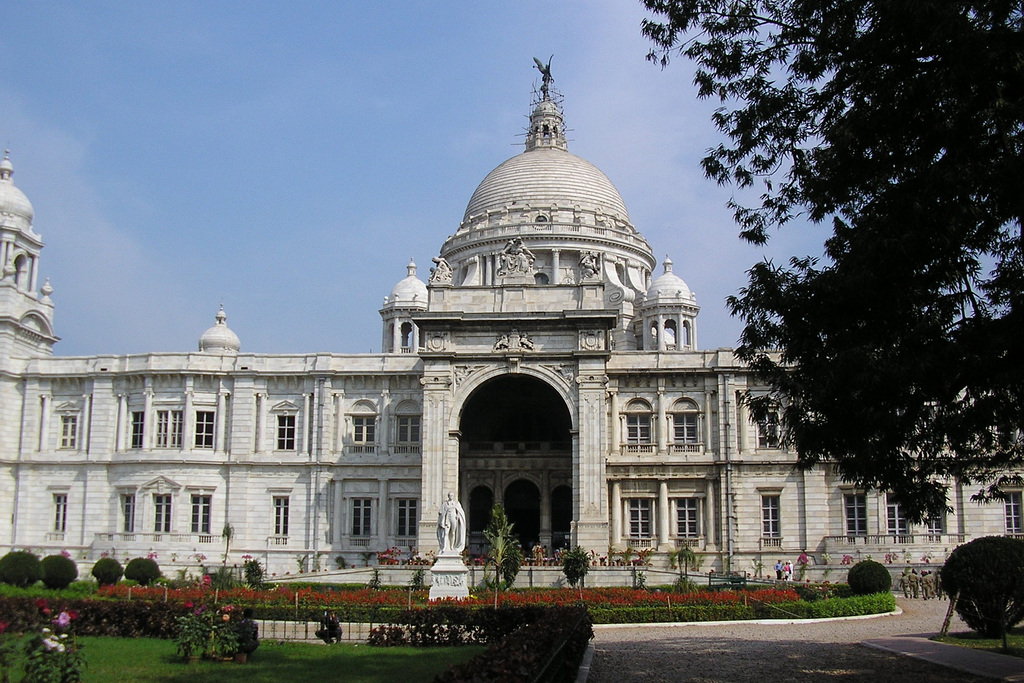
<point x="95" y="617"/>
<point x="454" y="625"/>
<point x="819" y="609"/>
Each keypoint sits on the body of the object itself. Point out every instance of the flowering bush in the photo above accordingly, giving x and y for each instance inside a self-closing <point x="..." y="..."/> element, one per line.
<point x="391" y="556"/>
<point x="208" y="633"/>
<point x="53" y="654"/>
<point x="847" y="560"/>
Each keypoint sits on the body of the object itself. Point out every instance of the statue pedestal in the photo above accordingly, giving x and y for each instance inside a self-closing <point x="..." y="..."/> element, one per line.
<point x="449" y="578"/>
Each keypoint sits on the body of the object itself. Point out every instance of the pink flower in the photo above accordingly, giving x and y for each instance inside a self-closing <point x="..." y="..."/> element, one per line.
<point x="63" y="620"/>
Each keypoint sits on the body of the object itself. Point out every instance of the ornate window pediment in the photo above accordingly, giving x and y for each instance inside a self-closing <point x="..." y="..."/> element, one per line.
<point x="161" y="485"/>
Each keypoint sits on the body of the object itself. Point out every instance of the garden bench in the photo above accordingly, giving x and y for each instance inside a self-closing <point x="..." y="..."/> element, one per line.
<point x="733" y="580"/>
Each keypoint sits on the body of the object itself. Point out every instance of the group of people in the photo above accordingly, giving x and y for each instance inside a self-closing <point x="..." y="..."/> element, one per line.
<point x="925" y="585"/>
<point x="784" y="570"/>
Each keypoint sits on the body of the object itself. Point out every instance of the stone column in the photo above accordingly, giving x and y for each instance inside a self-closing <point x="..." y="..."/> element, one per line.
<point x="662" y="437"/>
<point x="149" y="420"/>
<point x="616" y="506"/>
<point x="556" y="267"/>
<point x="83" y="432"/>
<point x="663" y="518"/>
<point x="44" y="422"/>
<point x="119" y="427"/>
<point x="613" y="407"/>
<point x="545" y="510"/>
<point x="188" y="439"/>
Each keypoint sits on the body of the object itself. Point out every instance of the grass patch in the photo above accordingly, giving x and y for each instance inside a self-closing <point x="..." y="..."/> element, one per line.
<point x="152" y="659"/>
<point x="1014" y="639"/>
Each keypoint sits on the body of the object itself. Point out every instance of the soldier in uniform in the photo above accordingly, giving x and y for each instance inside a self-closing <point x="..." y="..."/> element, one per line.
<point x="915" y="583"/>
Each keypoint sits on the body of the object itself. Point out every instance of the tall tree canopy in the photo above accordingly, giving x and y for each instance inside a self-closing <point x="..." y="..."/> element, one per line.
<point x="900" y="352"/>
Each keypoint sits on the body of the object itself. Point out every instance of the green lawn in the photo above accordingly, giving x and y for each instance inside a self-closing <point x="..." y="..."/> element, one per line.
<point x="1015" y="639"/>
<point x="150" y="659"/>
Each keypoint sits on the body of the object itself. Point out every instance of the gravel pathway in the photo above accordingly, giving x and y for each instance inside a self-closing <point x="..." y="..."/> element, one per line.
<point x="822" y="651"/>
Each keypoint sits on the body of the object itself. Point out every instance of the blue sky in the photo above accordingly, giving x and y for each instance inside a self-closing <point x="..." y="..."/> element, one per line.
<point x="287" y="159"/>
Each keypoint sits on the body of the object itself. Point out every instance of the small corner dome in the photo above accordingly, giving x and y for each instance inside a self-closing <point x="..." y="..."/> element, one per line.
<point x="13" y="201"/>
<point x="668" y="285"/>
<point x="219" y="338"/>
<point x="410" y="289"/>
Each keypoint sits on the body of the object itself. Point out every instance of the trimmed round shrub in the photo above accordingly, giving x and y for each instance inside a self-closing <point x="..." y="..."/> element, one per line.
<point x="20" y="568"/>
<point x="987" y="573"/>
<point x="868" y="577"/>
<point x="107" y="571"/>
<point x="58" y="571"/>
<point x="142" y="570"/>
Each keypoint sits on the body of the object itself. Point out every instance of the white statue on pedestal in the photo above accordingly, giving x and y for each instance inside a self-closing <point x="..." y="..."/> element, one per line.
<point x="451" y="526"/>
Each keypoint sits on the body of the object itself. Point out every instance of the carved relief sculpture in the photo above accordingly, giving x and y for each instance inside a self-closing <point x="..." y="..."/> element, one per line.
<point x="589" y="265"/>
<point x="516" y="257"/>
<point x="441" y="273"/>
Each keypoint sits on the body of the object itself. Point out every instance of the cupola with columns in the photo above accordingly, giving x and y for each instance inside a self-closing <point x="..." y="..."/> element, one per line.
<point x="26" y="310"/>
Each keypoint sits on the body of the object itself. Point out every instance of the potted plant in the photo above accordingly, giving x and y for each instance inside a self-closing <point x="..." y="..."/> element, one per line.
<point x="194" y="631"/>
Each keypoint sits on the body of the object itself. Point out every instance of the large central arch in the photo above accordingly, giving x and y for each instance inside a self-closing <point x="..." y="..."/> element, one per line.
<point x="515" y="449"/>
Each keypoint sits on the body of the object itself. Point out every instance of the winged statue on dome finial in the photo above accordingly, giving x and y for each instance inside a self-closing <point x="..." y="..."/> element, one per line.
<point x="545" y="73"/>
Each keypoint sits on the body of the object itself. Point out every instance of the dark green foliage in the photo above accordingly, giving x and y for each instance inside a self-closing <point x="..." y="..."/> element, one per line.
<point x="223" y="578"/>
<point x="453" y="625"/>
<point x="142" y="570"/>
<point x="868" y="577"/>
<point x="900" y="125"/>
<point x="575" y="565"/>
<point x="253" y="574"/>
<point x="58" y="571"/>
<point x="506" y="555"/>
<point x="107" y="571"/>
<point x="988" y="573"/>
<point x="20" y="568"/>
<point x="550" y="648"/>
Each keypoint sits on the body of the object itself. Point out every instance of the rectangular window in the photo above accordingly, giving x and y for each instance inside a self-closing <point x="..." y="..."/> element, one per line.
<point x="768" y="432"/>
<point x="204" y="428"/>
<point x="770" y="517"/>
<point x="898" y="524"/>
<point x="162" y="513"/>
<point x="60" y="512"/>
<point x="407" y="517"/>
<point x="856" y="514"/>
<point x="280" y="515"/>
<point x="638" y="429"/>
<point x="936" y="526"/>
<point x="169" y="428"/>
<point x="200" y="514"/>
<point x="1012" y="511"/>
<point x="138" y="425"/>
<point x="361" y="517"/>
<point x="686" y="518"/>
<point x="409" y="429"/>
<point x="69" y="431"/>
<point x="128" y="513"/>
<point x="640" y="518"/>
<point x="685" y="428"/>
<point x="365" y="429"/>
<point x="286" y="432"/>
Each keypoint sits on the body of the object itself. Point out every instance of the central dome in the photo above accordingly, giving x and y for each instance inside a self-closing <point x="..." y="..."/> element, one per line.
<point x="543" y="177"/>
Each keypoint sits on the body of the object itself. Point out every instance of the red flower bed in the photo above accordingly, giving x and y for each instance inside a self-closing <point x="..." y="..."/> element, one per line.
<point x="365" y="597"/>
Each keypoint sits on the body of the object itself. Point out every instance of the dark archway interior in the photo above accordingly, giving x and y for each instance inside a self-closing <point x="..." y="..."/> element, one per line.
<point x="481" y="500"/>
<point x="561" y="516"/>
<point x="522" y="507"/>
<point x="515" y="408"/>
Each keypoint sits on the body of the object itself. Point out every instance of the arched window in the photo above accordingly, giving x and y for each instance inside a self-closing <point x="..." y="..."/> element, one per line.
<point x="685" y="427"/>
<point x="638" y="417"/>
<point x="670" y="335"/>
<point x="364" y="427"/>
<point x="21" y="272"/>
<point x="541" y="279"/>
<point x="407" y="337"/>
<point x="407" y="427"/>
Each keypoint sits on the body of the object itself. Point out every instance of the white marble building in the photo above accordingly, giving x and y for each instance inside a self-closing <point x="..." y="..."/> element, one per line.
<point x="546" y="363"/>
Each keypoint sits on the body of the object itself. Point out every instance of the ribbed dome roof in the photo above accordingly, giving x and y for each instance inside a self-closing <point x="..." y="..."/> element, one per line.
<point x="409" y="289"/>
<point x="545" y="176"/>
<point x="220" y="338"/>
<point x="13" y="201"/>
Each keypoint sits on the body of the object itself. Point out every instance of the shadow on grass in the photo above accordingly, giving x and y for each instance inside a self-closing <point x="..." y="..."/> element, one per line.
<point x="140" y="659"/>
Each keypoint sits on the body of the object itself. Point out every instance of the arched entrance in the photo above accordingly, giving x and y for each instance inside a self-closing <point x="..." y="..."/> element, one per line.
<point x="516" y="443"/>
